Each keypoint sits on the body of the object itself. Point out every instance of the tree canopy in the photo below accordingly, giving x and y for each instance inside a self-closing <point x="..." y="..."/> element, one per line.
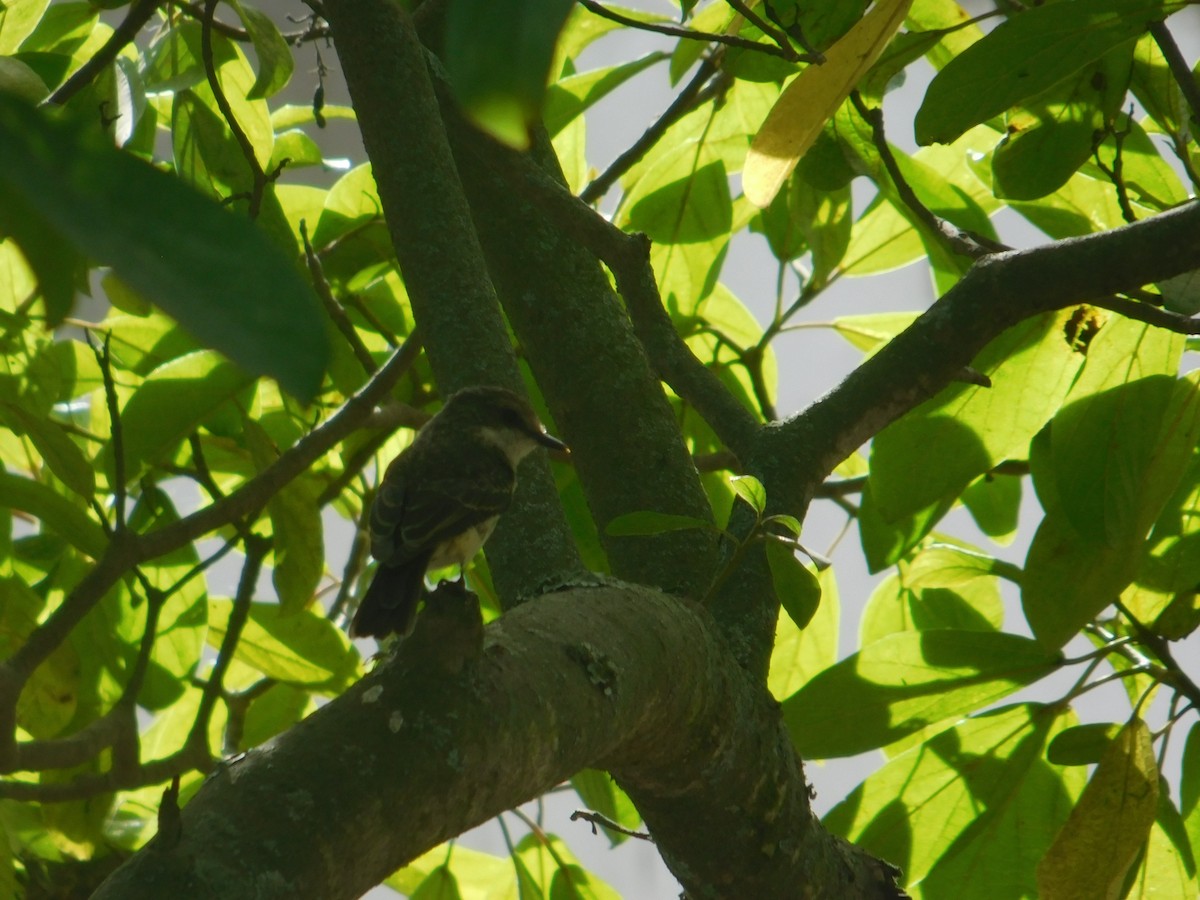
<point x="645" y="624"/>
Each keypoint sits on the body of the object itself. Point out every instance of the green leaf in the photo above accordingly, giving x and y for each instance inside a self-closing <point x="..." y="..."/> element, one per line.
<point x="906" y="682"/>
<point x="1051" y="136"/>
<point x="18" y="22"/>
<point x="299" y="543"/>
<point x="682" y="200"/>
<point x="600" y="793"/>
<point x="1120" y="444"/>
<point x="1068" y="580"/>
<point x="1082" y="745"/>
<point x="274" y="712"/>
<point x="647" y="522"/>
<point x="971" y="812"/>
<point x="550" y="867"/>
<point x="440" y="884"/>
<point x="213" y="271"/>
<point x="1189" y="787"/>
<point x="570" y="97"/>
<point x="1168" y="865"/>
<point x="885" y="543"/>
<point x="798" y="655"/>
<point x="172" y="402"/>
<point x="994" y="502"/>
<point x="871" y="331"/>
<point x="1108" y="826"/>
<point x="1025" y="55"/>
<point x="275" y="62"/>
<point x="56" y="513"/>
<point x="1170" y="565"/>
<point x="751" y="490"/>
<point x="498" y="57"/>
<point x="935" y="591"/>
<point x="797" y="588"/>
<point x="300" y="648"/>
<point x="57" y="450"/>
<point x="974" y="428"/>
<point x="479" y="875"/>
<point x="49" y="699"/>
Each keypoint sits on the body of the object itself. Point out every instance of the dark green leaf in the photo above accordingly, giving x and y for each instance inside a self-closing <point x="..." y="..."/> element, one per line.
<point x="1025" y="55"/>
<point x="797" y="588"/>
<point x="1082" y="745"/>
<point x="974" y="428"/>
<point x="498" y="56"/>
<point x="994" y="502"/>
<point x="302" y="648"/>
<point x="751" y="490"/>
<point x="1053" y="134"/>
<point x="275" y="63"/>
<point x="884" y="542"/>
<point x="172" y="403"/>
<point x="212" y="270"/>
<point x="906" y="682"/>
<point x="57" y="450"/>
<point x="1069" y="580"/>
<point x="440" y="884"/>
<point x="56" y="513"/>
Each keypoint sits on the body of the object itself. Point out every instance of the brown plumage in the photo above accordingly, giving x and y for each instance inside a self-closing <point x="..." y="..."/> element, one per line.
<point x="439" y="499"/>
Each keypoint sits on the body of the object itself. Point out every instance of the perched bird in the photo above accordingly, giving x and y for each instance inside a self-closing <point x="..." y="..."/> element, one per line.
<point x="441" y="497"/>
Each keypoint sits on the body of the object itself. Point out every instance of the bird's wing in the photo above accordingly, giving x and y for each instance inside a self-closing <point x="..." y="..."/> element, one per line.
<point x="444" y="507"/>
<point x="411" y="516"/>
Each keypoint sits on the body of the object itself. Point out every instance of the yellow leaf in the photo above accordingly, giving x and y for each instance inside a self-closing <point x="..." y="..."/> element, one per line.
<point x="1105" y="832"/>
<point x="812" y="98"/>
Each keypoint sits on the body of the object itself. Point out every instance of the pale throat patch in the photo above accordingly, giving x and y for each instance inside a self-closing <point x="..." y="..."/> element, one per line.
<point x="514" y="444"/>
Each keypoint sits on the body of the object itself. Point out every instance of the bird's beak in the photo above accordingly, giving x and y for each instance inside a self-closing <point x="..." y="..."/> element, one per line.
<point x="550" y="442"/>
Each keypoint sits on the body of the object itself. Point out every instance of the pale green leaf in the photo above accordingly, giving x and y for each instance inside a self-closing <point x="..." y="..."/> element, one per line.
<point x="905" y="682"/>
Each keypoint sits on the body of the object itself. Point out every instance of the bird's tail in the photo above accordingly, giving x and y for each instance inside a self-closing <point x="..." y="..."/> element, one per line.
<point x="390" y="604"/>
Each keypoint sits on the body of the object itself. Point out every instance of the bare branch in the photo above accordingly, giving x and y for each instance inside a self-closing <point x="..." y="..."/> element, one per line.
<point x="139" y="14"/>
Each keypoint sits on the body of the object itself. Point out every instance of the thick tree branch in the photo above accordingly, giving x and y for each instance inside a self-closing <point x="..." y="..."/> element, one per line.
<point x="575" y="336"/>
<point x="444" y="270"/>
<point x="628" y="256"/>
<point x="415" y="738"/>
<point x="999" y="292"/>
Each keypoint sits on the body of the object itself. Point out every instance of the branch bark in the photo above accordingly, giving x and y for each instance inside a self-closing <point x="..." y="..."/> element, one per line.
<point x="443" y="265"/>
<point x="454" y="730"/>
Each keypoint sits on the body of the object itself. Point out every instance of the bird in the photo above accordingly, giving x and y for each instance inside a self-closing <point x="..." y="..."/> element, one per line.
<point x="440" y="498"/>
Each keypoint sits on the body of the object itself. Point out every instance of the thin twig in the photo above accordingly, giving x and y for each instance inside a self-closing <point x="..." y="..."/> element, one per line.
<point x="127" y="550"/>
<point x="1179" y="67"/>
<point x="958" y="241"/>
<point x="103" y="356"/>
<point x="781" y="39"/>
<point x="731" y="40"/>
<point x="595" y="818"/>
<point x="139" y="14"/>
<point x="335" y="310"/>
<point x="259" y="177"/>
<point x="628" y="257"/>
<point x="1151" y="315"/>
<point x="256" y="548"/>
<point x="692" y="95"/>
<point x="312" y="33"/>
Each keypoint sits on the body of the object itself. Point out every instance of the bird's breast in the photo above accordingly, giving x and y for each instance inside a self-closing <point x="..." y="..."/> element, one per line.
<point x="461" y="549"/>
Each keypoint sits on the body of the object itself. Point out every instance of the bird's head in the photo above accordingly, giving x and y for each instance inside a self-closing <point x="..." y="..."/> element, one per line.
<point x="502" y="418"/>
